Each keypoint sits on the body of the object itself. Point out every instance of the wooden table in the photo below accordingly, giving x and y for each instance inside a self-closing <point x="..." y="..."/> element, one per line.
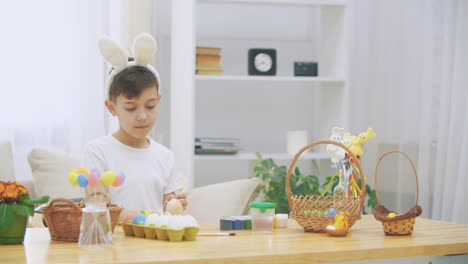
<point x="365" y="241"/>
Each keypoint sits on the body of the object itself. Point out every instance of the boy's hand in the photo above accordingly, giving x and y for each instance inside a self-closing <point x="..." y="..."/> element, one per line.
<point x="182" y="197"/>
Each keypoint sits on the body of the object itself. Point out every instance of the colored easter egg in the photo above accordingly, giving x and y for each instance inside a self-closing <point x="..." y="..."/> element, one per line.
<point x="118" y="180"/>
<point x="82" y="180"/>
<point x="73" y="178"/>
<point x="391" y="215"/>
<point x="139" y="218"/>
<point x="84" y="171"/>
<point x="331" y="212"/>
<point x="107" y="178"/>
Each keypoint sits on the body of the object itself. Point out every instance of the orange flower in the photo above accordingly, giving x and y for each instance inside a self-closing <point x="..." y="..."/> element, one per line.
<point x="2" y="188"/>
<point x="21" y="188"/>
<point x="11" y="191"/>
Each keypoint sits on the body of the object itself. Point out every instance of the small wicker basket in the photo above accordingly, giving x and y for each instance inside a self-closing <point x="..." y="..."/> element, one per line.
<point x="299" y="203"/>
<point x="399" y="225"/>
<point x="63" y="217"/>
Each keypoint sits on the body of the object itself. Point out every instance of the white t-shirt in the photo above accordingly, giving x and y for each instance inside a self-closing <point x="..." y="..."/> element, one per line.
<point x="147" y="171"/>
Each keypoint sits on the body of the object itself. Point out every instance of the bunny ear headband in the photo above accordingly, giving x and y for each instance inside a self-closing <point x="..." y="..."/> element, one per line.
<point x="143" y="49"/>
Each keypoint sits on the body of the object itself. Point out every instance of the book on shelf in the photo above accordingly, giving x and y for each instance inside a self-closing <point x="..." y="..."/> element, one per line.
<point x="209" y="68"/>
<point x="216" y="145"/>
<point x="217" y="140"/>
<point x="208" y="60"/>
<point x="217" y="148"/>
<point x="210" y="145"/>
<point x="209" y="72"/>
<point x="208" y="50"/>
<point x="215" y="152"/>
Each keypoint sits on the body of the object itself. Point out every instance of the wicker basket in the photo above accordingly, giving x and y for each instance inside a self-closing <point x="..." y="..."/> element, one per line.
<point x="299" y="203"/>
<point x="399" y="225"/>
<point x="63" y="217"/>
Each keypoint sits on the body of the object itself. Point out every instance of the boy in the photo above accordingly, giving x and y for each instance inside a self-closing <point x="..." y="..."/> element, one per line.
<point x="132" y="91"/>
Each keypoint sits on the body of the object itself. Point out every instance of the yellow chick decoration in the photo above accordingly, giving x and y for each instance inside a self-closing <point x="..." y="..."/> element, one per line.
<point x="340" y="227"/>
<point x="357" y="142"/>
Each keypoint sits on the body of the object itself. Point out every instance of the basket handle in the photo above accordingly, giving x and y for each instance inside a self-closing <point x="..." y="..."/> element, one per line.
<point x="414" y="172"/>
<point x="90" y="195"/>
<point x="63" y="201"/>
<point x="313" y="144"/>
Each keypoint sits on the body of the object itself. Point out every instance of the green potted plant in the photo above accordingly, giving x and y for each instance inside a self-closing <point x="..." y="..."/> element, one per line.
<point x="15" y="207"/>
<point x="274" y="181"/>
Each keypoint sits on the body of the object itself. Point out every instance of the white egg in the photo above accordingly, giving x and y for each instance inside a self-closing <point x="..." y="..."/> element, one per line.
<point x="174" y="207"/>
<point x="151" y="219"/>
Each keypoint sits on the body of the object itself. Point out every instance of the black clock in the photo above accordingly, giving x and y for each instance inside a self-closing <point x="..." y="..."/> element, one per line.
<point x="262" y="61"/>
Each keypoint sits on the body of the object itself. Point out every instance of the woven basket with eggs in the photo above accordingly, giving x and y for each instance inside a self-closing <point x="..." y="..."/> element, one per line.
<point x="397" y="224"/>
<point x="301" y="203"/>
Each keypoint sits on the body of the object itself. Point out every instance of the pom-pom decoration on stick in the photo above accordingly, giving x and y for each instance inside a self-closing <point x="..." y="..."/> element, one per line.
<point x="119" y="179"/>
<point x="84" y="178"/>
<point x="73" y="178"/>
<point x="107" y="178"/>
<point x="93" y="177"/>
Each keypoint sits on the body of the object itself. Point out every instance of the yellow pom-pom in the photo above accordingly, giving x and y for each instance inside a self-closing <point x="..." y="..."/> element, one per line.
<point x="84" y="171"/>
<point x="107" y="178"/>
<point x="73" y="178"/>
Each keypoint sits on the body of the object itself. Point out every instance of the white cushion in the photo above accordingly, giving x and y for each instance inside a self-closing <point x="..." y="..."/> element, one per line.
<point x="232" y="198"/>
<point x="7" y="171"/>
<point x="50" y="170"/>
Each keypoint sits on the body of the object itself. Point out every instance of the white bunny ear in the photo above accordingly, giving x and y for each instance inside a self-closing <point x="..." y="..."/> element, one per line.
<point x="144" y="48"/>
<point x="112" y="52"/>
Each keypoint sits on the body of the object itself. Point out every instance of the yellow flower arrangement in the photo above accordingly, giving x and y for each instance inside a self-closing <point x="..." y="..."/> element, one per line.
<point x="15" y="199"/>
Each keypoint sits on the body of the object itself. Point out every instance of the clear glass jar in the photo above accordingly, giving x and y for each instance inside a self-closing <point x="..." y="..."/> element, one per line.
<point x="95" y="229"/>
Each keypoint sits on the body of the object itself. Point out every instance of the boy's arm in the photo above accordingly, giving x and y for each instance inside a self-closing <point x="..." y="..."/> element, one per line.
<point x="181" y="196"/>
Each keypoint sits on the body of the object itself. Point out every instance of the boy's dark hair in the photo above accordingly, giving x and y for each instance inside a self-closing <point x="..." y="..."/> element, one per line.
<point x="131" y="82"/>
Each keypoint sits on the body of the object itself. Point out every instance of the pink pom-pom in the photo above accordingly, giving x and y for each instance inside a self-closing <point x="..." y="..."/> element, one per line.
<point x="119" y="179"/>
<point x="93" y="178"/>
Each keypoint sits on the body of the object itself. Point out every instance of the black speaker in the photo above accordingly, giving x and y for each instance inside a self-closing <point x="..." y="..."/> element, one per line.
<point x="305" y="69"/>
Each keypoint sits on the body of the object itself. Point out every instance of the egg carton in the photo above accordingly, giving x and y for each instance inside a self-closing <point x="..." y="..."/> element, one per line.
<point x="162" y="234"/>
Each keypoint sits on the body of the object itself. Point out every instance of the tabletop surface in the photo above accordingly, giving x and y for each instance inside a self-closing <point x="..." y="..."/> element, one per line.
<point x="365" y="241"/>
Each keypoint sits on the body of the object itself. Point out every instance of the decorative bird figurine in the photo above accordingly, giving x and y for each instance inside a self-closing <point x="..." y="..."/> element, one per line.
<point x="340" y="227"/>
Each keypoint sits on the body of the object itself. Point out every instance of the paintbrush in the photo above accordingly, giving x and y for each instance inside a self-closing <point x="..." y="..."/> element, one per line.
<point x="217" y="234"/>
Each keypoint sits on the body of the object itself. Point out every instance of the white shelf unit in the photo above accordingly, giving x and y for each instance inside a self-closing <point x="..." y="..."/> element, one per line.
<point x="257" y="109"/>
<point x="269" y="78"/>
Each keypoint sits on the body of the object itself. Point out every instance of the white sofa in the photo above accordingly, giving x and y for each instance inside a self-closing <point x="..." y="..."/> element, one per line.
<point x="50" y="167"/>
